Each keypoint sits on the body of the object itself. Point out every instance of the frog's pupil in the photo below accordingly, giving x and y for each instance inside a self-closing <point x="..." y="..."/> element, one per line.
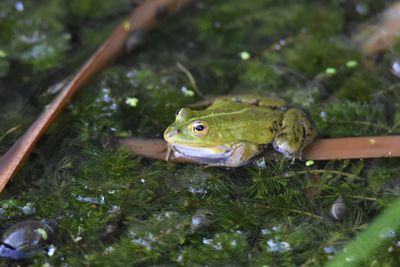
<point x="199" y="127"/>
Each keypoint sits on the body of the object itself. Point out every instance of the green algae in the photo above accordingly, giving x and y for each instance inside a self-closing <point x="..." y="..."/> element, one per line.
<point x="117" y="209"/>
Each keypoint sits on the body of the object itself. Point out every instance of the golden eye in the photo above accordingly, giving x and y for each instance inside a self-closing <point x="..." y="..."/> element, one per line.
<point x="199" y="128"/>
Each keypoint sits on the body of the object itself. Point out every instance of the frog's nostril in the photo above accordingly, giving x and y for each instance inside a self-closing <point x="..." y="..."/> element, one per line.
<point x="171" y="133"/>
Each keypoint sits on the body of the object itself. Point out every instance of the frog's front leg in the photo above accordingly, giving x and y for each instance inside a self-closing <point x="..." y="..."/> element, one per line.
<point x="296" y="132"/>
<point x="242" y="152"/>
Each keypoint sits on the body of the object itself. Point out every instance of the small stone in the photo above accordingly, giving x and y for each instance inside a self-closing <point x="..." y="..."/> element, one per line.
<point x="338" y="209"/>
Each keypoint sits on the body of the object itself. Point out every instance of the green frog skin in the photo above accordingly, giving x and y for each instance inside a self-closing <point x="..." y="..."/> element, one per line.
<point x="236" y="128"/>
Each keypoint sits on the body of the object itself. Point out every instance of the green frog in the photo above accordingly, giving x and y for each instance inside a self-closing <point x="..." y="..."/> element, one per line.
<point x="236" y="128"/>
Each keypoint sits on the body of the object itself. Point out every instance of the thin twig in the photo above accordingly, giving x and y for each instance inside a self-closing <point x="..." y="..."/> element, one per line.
<point x="362" y="197"/>
<point x="321" y="149"/>
<point x="354" y="148"/>
<point x="190" y="77"/>
<point x="126" y="36"/>
<point x="306" y="213"/>
<point x="350" y="175"/>
<point x="9" y="131"/>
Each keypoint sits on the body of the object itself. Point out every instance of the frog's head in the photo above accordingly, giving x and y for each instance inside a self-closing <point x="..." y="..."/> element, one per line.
<point x="191" y="128"/>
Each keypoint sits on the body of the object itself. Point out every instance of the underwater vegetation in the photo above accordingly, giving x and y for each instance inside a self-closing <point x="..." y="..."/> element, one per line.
<point x="113" y="208"/>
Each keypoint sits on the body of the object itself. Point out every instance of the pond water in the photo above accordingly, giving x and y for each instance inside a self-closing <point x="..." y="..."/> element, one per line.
<point x="113" y="208"/>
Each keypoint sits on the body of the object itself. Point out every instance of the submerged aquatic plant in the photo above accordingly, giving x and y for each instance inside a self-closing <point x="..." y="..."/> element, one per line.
<point x="119" y="209"/>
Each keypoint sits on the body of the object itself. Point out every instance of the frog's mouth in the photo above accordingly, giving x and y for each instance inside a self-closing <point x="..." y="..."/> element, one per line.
<point x="208" y="155"/>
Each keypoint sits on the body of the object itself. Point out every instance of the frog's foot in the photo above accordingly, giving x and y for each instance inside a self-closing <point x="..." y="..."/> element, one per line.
<point x="296" y="133"/>
<point x="242" y="152"/>
<point x="168" y="152"/>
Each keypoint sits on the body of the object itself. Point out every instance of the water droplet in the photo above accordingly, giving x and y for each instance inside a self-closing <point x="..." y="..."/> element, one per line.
<point x="28" y="209"/>
<point x="92" y="200"/>
<point x="207" y="241"/>
<point x="265" y="231"/>
<point x="19" y="6"/>
<point x="51" y="250"/>
<point x="323" y="115"/>
<point x="179" y="258"/>
<point x="109" y="249"/>
<point x="278" y="246"/>
<point x="329" y="250"/>
<point x="388" y="234"/>
<point x="218" y="246"/>
<point x="361" y="8"/>
<point x="396" y="67"/>
<point x="186" y="91"/>
<point x="199" y="220"/>
<point x="260" y="163"/>
<point x="217" y="24"/>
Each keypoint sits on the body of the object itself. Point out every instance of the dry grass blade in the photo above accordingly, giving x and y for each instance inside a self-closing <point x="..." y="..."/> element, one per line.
<point x="321" y="149"/>
<point x="126" y="36"/>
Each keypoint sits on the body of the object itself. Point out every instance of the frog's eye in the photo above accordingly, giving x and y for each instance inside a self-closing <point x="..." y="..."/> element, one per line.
<point x="199" y="128"/>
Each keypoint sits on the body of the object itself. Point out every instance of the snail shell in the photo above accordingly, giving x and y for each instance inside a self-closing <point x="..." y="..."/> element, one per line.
<point x="338" y="209"/>
<point x="25" y="238"/>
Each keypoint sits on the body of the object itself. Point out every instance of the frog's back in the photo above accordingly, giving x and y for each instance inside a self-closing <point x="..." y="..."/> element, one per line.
<point x="262" y="101"/>
<point x="240" y="121"/>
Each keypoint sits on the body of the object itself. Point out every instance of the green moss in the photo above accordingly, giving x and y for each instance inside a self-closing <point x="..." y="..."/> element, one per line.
<point x="350" y="119"/>
<point x="358" y="86"/>
<point x="313" y="55"/>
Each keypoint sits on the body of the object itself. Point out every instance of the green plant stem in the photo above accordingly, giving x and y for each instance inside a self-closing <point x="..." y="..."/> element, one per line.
<point x="289" y="210"/>
<point x="350" y="175"/>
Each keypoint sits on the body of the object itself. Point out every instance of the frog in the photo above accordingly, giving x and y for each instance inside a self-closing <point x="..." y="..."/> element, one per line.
<point x="234" y="129"/>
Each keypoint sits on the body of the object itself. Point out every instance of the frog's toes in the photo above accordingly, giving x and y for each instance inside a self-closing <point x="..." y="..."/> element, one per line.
<point x="285" y="148"/>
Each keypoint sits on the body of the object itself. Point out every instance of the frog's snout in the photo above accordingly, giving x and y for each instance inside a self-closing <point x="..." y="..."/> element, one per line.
<point x="170" y="133"/>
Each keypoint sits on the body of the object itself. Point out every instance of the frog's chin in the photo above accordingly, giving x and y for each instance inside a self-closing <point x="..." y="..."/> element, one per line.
<point x="215" y="155"/>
